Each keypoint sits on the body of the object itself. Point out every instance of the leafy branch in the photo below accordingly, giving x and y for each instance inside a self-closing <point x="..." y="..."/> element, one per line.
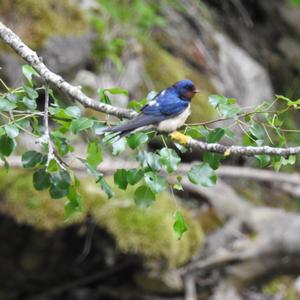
<point x="157" y="171"/>
<point x="11" y="39"/>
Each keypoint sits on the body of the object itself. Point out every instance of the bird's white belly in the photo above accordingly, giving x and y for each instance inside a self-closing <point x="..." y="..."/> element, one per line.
<point x="173" y="124"/>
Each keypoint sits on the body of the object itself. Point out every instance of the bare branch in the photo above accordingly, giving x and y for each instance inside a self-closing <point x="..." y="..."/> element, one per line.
<point x="190" y="287"/>
<point x="241" y="150"/>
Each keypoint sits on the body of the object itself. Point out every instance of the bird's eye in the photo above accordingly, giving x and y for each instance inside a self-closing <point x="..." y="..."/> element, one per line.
<point x="190" y="87"/>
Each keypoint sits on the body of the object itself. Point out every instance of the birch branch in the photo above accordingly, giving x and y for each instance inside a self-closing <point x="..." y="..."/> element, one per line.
<point x="11" y="39"/>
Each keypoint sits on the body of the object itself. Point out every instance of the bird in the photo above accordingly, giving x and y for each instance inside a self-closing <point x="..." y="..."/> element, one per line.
<point x="167" y="112"/>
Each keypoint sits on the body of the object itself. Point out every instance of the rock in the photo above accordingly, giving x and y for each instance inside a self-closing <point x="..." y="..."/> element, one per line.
<point x="290" y="14"/>
<point x="36" y="22"/>
<point x="64" y="54"/>
<point x="129" y="78"/>
<point x="291" y="50"/>
<point x="239" y="75"/>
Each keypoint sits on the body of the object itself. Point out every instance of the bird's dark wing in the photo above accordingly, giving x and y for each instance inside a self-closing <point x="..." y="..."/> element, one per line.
<point x="168" y="105"/>
<point x="140" y="121"/>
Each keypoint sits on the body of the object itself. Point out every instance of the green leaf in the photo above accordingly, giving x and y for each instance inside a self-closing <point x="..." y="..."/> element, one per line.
<point x="28" y="72"/>
<point x="105" y="186"/>
<point x="224" y="105"/>
<point x="73" y="111"/>
<point x="81" y="124"/>
<point x="25" y="123"/>
<point x="149" y="160"/>
<point x="30" y="103"/>
<point x="181" y="148"/>
<point x="155" y="182"/>
<point x="94" y="155"/>
<point x="263" y="159"/>
<point x="137" y="105"/>
<point x="179" y="226"/>
<point x="61" y="180"/>
<point x="295" y="2"/>
<point x="31" y="158"/>
<point x="216" y="100"/>
<point x="279" y="161"/>
<point x="53" y="166"/>
<point x="229" y="133"/>
<point x="31" y="93"/>
<point x="289" y="101"/>
<point x="117" y="91"/>
<point x="178" y="187"/>
<point x="75" y="202"/>
<point x="71" y="207"/>
<point x="60" y="183"/>
<point x="103" y="97"/>
<point x="134" y="176"/>
<point x="11" y="130"/>
<point x="137" y="139"/>
<point x="57" y="192"/>
<point x="257" y="131"/>
<point x="228" y="111"/>
<point x="143" y="196"/>
<point x="120" y="179"/>
<point x="170" y="159"/>
<point x="12" y="97"/>
<point x="202" y="174"/>
<point x="118" y="146"/>
<point x="41" y="180"/>
<point x="6" y="105"/>
<point x="213" y="159"/>
<point x="7" y="145"/>
<point x="196" y="132"/>
<point x="215" y="135"/>
<point x="6" y="164"/>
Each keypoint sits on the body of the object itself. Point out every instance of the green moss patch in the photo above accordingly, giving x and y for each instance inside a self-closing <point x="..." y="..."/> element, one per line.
<point x="147" y="232"/>
<point x="36" y="20"/>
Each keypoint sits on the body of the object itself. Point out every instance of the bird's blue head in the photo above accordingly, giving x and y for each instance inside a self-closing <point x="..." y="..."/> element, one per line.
<point x="185" y="89"/>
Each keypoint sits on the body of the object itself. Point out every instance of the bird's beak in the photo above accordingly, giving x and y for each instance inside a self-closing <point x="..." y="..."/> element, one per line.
<point x="196" y="91"/>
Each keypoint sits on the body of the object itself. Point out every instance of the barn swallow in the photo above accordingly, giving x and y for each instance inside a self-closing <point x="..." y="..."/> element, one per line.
<point x="167" y="112"/>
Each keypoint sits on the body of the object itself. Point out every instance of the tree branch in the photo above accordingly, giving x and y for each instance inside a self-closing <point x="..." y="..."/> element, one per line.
<point x="241" y="150"/>
<point x="11" y="39"/>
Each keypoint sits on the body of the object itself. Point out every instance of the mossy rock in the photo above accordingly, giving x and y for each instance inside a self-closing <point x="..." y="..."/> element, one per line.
<point x="165" y="69"/>
<point x="282" y="285"/>
<point x="147" y="232"/>
<point x="36" y="20"/>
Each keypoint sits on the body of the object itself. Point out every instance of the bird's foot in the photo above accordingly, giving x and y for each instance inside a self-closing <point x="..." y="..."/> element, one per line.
<point x="180" y="137"/>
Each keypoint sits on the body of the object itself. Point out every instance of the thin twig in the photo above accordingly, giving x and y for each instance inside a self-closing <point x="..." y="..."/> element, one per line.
<point x="47" y="137"/>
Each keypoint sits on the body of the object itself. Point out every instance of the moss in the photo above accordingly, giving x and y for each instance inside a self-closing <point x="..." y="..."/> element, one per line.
<point x="283" y="285"/>
<point x="147" y="232"/>
<point x="165" y="69"/>
<point x="35" y="20"/>
<point x="27" y="205"/>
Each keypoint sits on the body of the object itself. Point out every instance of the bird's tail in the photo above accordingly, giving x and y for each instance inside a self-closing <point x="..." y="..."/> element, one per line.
<point x="139" y="123"/>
